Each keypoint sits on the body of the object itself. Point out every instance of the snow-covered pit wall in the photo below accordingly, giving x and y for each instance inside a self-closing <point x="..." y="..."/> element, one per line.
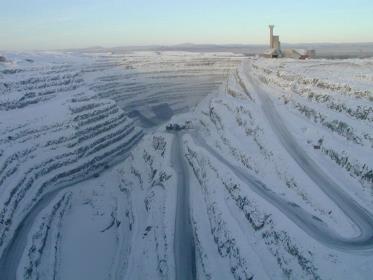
<point x="274" y="169"/>
<point x="66" y="117"/>
<point x="334" y="101"/>
<point x="266" y="181"/>
<point x="55" y="132"/>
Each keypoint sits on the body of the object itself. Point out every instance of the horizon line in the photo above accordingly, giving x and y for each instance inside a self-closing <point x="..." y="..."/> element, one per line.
<point x="185" y="45"/>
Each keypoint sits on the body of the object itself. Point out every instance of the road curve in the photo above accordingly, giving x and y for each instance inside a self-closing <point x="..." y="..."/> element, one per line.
<point x="312" y="225"/>
<point x="352" y="209"/>
<point x="184" y="249"/>
<point x="12" y="254"/>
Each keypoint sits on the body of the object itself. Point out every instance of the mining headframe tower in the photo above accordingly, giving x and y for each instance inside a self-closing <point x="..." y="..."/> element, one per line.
<point x="275" y="50"/>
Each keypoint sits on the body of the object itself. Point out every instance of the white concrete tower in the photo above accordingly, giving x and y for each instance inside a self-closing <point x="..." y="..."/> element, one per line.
<point x="271" y="36"/>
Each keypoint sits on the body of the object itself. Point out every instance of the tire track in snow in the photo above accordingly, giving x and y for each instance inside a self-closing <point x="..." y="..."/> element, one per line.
<point x="184" y="249"/>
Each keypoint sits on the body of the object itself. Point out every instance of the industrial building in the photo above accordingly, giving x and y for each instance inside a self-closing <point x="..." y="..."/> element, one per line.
<point x="275" y="50"/>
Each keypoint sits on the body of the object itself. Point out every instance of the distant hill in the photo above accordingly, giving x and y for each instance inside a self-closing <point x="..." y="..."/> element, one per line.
<point x="323" y="50"/>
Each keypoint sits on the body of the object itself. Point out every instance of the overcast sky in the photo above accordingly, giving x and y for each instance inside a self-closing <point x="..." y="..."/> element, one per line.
<point x="51" y="24"/>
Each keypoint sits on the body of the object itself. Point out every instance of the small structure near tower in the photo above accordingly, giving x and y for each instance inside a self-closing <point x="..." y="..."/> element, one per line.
<point x="275" y="51"/>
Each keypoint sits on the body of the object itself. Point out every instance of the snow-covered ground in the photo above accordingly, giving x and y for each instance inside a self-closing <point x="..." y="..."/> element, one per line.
<point x="164" y="165"/>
